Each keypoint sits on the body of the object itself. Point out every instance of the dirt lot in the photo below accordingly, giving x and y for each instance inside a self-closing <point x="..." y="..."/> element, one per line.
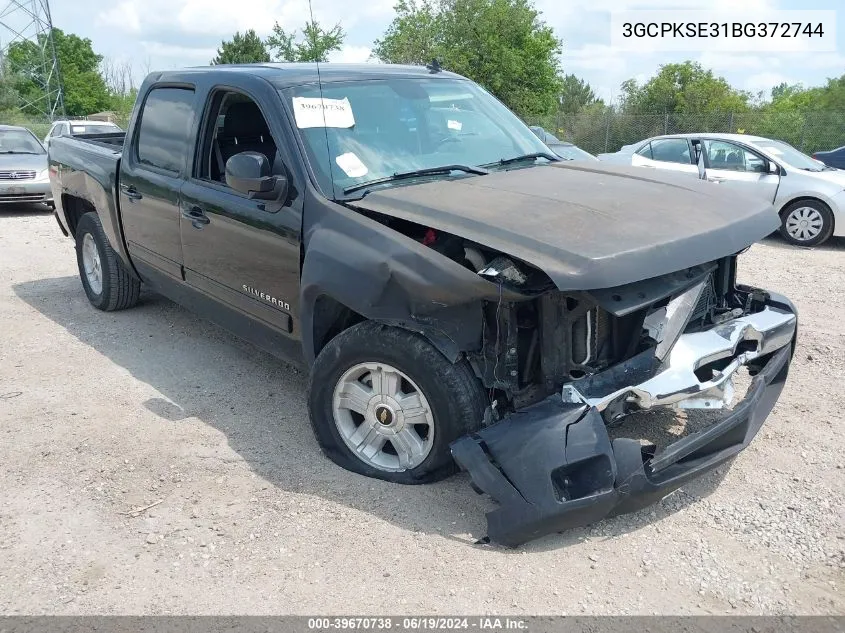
<point x="102" y="413"/>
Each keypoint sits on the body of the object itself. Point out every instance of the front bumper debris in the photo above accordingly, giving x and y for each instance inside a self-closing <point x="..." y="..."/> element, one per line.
<point x="552" y="466"/>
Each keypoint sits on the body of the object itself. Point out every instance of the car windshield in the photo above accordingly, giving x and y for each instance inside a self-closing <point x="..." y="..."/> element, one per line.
<point x="378" y="129"/>
<point x="789" y="155"/>
<point x="19" y="142"/>
<point x="572" y="152"/>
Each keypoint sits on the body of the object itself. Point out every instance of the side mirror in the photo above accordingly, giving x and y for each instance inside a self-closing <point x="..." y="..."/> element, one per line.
<point x="773" y="168"/>
<point x="249" y="173"/>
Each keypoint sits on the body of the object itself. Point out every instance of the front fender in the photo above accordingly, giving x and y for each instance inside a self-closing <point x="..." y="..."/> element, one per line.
<point x="385" y="276"/>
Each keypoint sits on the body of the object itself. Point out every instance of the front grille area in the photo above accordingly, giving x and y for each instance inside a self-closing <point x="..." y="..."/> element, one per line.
<point x="22" y="197"/>
<point x="706" y="303"/>
<point x="17" y="175"/>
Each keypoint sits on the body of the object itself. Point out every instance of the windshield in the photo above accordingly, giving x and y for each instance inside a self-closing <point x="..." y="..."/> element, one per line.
<point x="789" y="155"/>
<point x="571" y="152"/>
<point x="376" y="129"/>
<point x="19" y="142"/>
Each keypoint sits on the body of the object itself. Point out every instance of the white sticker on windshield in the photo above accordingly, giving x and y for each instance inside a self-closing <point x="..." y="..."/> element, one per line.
<point x="351" y="165"/>
<point x="315" y="112"/>
<point x="454" y="125"/>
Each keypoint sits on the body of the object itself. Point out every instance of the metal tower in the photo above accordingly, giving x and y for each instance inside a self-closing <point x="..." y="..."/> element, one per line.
<point x="26" y="30"/>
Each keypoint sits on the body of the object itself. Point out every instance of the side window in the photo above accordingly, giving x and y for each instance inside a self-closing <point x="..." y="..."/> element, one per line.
<point x="645" y="151"/>
<point x="671" y="150"/>
<point x="234" y="124"/>
<point x="727" y="156"/>
<point x="56" y="131"/>
<point x="163" y="137"/>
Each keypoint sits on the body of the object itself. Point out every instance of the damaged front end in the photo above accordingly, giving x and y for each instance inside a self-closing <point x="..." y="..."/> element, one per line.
<point x="562" y="362"/>
<point x="672" y="342"/>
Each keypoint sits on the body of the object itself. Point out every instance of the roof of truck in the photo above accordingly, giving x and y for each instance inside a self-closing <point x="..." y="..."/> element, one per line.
<point x="283" y="75"/>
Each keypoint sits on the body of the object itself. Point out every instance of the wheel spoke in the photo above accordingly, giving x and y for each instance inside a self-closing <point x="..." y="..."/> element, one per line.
<point x="355" y="396"/>
<point x="413" y="409"/>
<point x="367" y="440"/>
<point x="409" y="446"/>
<point x="386" y="381"/>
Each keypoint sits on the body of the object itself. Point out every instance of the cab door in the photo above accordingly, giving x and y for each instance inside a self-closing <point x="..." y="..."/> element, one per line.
<point x="738" y="167"/>
<point x="241" y="251"/>
<point x="151" y="175"/>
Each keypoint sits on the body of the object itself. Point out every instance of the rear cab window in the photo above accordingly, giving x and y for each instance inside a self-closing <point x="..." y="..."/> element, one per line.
<point x="164" y="138"/>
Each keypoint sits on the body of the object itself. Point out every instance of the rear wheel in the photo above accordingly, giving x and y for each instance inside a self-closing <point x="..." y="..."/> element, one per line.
<point x="106" y="281"/>
<point x="806" y="223"/>
<point x="385" y="403"/>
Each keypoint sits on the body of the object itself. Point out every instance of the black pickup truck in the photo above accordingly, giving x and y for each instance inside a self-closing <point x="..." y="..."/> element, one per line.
<point x="460" y="295"/>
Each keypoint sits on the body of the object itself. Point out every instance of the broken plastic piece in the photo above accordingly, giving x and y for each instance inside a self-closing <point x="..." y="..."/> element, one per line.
<point x="503" y="269"/>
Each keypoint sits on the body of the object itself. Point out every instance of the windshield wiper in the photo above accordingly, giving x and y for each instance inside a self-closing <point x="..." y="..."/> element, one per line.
<point x="428" y="171"/>
<point x="519" y="159"/>
<point x="9" y="151"/>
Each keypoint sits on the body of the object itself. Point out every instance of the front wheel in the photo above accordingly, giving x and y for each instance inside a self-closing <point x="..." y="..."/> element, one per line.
<point x="806" y="223"/>
<point x="107" y="283"/>
<point x="386" y="404"/>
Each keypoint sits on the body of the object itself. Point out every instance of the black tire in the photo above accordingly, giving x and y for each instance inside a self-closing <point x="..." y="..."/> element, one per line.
<point x="827" y="222"/>
<point x="455" y="396"/>
<point x="120" y="289"/>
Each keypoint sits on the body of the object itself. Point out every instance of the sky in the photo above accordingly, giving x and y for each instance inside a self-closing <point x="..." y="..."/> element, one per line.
<point x="165" y="34"/>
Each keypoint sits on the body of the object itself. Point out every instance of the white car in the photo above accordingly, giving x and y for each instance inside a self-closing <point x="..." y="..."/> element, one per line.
<point x="809" y="196"/>
<point x="72" y="128"/>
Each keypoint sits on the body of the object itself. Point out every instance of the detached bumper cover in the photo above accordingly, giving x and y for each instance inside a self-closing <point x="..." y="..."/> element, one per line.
<point x="553" y="466"/>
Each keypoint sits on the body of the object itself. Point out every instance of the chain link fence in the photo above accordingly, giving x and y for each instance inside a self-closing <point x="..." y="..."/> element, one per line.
<point x="608" y="131"/>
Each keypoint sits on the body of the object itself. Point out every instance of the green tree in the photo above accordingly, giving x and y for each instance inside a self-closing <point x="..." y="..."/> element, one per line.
<point x="315" y="45"/>
<point x="9" y="97"/>
<point x="683" y="89"/>
<point x="575" y="95"/>
<point x="501" y="44"/>
<point x="242" y="49"/>
<point x="84" y="89"/>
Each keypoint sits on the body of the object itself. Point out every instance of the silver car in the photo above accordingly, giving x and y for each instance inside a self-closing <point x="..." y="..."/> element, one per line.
<point x="24" y="176"/>
<point x="809" y="196"/>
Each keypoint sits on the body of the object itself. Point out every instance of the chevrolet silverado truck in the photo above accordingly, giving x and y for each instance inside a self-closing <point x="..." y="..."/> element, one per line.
<point x="460" y="296"/>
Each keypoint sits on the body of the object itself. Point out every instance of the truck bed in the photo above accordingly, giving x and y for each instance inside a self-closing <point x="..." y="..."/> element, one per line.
<point x="86" y="167"/>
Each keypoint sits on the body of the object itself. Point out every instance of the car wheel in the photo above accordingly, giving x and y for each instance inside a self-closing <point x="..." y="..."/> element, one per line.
<point x="385" y="403"/>
<point x="106" y="281"/>
<point x="806" y="223"/>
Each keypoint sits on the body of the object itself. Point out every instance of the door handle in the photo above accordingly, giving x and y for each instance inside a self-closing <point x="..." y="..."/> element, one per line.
<point x="715" y="179"/>
<point x="197" y="217"/>
<point x="130" y="192"/>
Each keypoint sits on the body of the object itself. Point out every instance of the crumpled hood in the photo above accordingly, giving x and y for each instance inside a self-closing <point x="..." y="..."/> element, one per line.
<point x="587" y="226"/>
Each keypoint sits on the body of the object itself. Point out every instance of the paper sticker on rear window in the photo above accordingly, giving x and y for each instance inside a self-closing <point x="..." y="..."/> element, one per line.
<point x="77" y="129"/>
<point x="454" y="125"/>
<point x="351" y="165"/>
<point x="315" y="112"/>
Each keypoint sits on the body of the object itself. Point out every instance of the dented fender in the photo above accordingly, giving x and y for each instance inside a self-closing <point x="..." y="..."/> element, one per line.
<point x="388" y="277"/>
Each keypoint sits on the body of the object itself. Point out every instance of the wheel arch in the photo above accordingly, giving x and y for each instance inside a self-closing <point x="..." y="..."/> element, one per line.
<point x="805" y="198"/>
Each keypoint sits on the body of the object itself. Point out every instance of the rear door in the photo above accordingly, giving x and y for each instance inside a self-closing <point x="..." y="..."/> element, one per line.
<point x="153" y="168"/>
<point x="671" y="154"/>
<point x="738" y="167"/>
<point x="240" y="251"/>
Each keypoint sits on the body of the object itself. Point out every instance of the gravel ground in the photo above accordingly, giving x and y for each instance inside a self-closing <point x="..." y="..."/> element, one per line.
<point x="104" y="413"/>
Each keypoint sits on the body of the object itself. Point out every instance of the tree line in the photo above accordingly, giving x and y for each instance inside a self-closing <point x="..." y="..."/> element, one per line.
<point x="504" y="45"/>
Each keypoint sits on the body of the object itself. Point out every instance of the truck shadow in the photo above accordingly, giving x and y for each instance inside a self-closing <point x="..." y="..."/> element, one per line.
<point x="258" y="403"/>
